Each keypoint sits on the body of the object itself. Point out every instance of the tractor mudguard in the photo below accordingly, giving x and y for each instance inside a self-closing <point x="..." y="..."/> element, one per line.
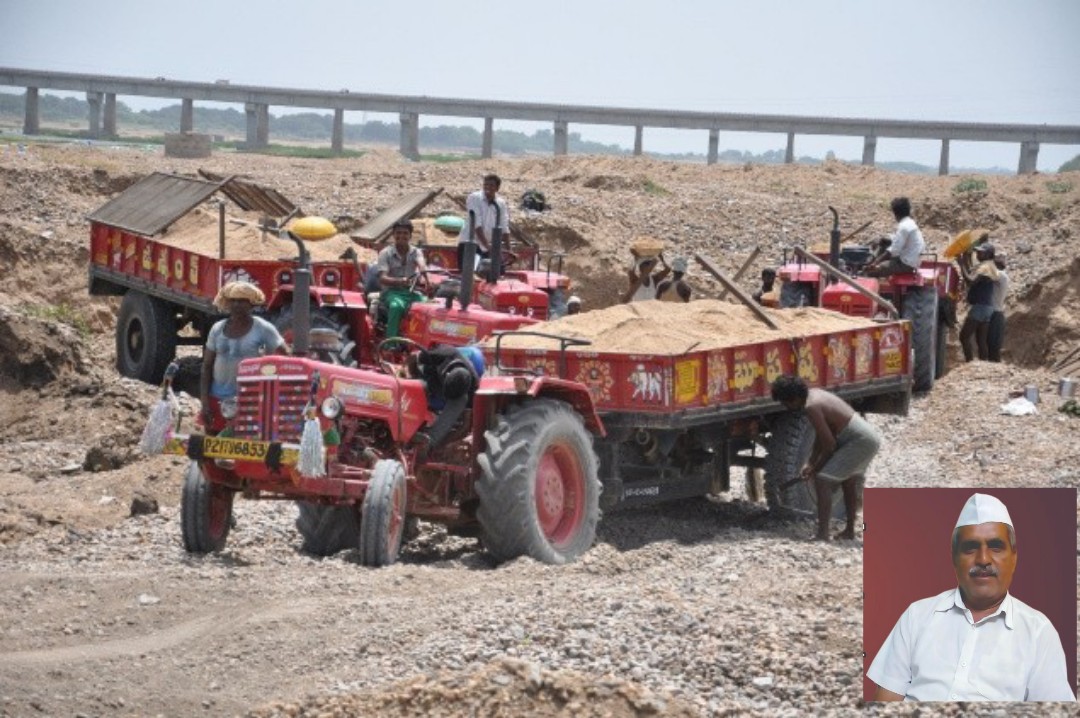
<point x="525" y="388"/>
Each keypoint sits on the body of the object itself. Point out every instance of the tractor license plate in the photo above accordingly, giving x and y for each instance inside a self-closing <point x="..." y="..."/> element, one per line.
<point x="217" y="447"/>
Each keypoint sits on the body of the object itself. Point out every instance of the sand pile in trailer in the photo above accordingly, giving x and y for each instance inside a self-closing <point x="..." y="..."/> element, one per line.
<point x="197" y="231"/>
<point x="656" y="327"/>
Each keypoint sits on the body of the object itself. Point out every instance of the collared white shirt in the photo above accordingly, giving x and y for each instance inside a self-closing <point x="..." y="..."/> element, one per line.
<point x="907" y="243"/>
<point x="936" y="652"/>
<point x="485" y="216"/>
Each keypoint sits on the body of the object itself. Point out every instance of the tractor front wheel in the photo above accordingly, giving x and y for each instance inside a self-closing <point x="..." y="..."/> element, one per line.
<point x="382" y="516"/>
<point x="205" y="512"/>
<point x="538" y="488"/>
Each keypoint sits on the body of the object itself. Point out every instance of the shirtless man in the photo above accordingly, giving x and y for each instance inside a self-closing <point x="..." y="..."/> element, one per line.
<point x="844" y="446"/>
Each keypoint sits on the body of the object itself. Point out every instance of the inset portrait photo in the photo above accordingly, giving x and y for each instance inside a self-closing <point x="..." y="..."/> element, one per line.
<point x="969" y="594"/>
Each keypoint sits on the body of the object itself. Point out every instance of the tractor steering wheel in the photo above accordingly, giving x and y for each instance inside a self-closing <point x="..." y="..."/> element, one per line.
<point x="385" y="364"/>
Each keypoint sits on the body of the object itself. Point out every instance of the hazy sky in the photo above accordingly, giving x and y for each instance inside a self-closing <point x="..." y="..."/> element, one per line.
<point x="973" y="60"/>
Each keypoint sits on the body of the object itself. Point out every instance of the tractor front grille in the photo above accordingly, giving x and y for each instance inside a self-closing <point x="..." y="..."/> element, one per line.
<point x="271" y="408"/>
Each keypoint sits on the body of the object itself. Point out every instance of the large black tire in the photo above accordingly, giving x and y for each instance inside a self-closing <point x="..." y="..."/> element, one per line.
<point x="538" y="487"/>
<point x="327" y="529"/>
<point x="145" y="337"/>
<point x="941" y="349"/>
<point x="921" y="309"/>
<point x="789" y="447"/>
<point x="382" y="516"/>
<point x="321" y="318"/>
<point x="205" y="512"/>
<point x="796" y="294"/>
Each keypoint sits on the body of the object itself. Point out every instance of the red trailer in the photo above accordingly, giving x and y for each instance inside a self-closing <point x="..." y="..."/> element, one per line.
<point x="167" y="247"/>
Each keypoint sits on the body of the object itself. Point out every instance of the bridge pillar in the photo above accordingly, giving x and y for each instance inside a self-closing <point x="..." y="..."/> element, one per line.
<point x="714" y="147"/>
<point x="110" y="114"/>
<point x="187" y="115"/>
<point x="789" y="153"/>
<point x="258" y="125"/>
<point x="31" y="121"/>
<point x="93" y="101"/>
<point x="562" y="143"/>
<point x="262" y="112"/>
<point x="487" y="148"/>
<point x="639" y="133"/>
<point x="869" y="148"/>
<point x="943" y="163"/>
<point x="410" y="135"/>
<point x="337" y="132"/>
<point x="1029" y="157"/>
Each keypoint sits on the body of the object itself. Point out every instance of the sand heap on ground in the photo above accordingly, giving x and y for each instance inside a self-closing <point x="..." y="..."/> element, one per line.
<point x="656" y="327"/>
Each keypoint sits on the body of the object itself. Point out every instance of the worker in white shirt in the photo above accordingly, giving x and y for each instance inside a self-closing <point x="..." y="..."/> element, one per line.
<point x="901" y="256"/>
<point x="995" y="337"/>
<point x="975" y="642"/>
<point x="488" y="211"/>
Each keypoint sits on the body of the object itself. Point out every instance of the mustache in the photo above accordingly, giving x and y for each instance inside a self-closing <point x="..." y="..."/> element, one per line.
<point x="982" y="571"/>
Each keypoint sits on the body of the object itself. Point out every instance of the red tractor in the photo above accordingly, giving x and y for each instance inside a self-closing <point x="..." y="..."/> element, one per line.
<point x="831" y="277"/>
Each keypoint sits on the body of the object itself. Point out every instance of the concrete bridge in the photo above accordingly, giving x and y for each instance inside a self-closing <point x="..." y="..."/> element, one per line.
<point x="101" y="92"/>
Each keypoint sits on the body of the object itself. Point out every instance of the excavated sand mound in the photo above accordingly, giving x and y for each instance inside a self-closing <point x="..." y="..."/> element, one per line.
<point x="656" y="327"/>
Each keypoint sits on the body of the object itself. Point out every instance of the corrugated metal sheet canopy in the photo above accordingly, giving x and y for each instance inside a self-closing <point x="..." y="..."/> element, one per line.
<point x="153" y="203"/>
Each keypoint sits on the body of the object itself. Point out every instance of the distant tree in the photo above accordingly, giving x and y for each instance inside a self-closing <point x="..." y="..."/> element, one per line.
<point x="1072" y="165"/>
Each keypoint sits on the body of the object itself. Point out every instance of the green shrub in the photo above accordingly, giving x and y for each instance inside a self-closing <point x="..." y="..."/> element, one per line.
<point x="62" y="313"/>
<point x="969" y="185"/>
<point x="1059" y="187"/>
<point x="651" y="187"/>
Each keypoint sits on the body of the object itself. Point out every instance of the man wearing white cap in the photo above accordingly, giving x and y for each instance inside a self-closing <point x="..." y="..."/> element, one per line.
<point x="675" y="289"/>
<point x="975" y="642"/>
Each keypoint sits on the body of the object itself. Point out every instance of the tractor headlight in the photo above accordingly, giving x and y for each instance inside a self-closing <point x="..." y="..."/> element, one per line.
<point x="229" y="407"/>
<point x="331" y="407"/>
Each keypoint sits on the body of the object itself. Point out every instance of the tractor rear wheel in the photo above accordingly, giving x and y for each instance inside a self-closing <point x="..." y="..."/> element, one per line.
<point x="382" y="516"/>
<point x="205" y="512"/>
<point x="538" y="487"/>
<point x="327" y="529"/>
<point x="921" y="309"/>
<point x="789" y="447"/>
<point x="145" y="337"/>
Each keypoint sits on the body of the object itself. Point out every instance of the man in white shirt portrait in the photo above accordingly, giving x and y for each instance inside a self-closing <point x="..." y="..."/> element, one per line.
<point x="975" y="642"/>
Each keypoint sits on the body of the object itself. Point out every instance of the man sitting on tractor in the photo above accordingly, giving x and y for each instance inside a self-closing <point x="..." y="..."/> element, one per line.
<point x="904" y="248"/>
<point x="398" y="265"/>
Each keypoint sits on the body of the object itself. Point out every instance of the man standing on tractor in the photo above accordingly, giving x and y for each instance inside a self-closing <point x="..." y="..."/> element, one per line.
<point x="981" y="280"/>
<point x="844" y="445"/>
<point x="488" y="211"/>
<point x="398" y="266"/>
<point x="239" y="336"/>
<point x="904" y="248"/>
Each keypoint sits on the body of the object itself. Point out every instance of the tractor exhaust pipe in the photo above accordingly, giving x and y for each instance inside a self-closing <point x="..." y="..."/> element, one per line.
<point x="468" y="264"/>
<point x="834" y="239"/>
<point x="496" y="247"/>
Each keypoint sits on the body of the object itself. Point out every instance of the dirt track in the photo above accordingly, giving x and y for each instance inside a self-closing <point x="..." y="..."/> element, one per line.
<point x="702" y="607"/>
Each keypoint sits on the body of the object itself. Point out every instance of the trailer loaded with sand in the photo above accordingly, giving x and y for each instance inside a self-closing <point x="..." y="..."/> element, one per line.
<point x="683" y="390"/>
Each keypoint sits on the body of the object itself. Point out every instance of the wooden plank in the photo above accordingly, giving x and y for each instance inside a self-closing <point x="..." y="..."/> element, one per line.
<point x="735" y="289"/>
<point x="872" y="296"/>
<point x="742" y="269"/>
<point x="378" y="227"/>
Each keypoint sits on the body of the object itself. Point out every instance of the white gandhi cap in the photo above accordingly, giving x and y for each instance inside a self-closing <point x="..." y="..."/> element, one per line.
<point x="981" y="509"/>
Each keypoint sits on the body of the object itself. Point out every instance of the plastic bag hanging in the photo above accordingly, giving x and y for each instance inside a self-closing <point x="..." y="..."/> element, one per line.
<point x="159" y="426"/>
<point x="312" y="460"/>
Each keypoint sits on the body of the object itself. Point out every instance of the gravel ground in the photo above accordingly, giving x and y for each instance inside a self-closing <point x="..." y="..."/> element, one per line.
<point x="695" y="608"/>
